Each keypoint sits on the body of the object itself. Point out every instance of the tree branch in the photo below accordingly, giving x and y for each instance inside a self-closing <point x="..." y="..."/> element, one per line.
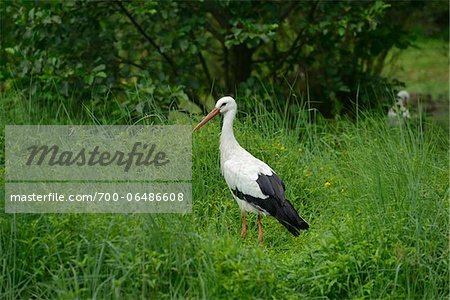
<point x="147" y="37"/>
<point x="202" y="59"/>
<point x="129" y="62"/>
<point x="294" y="47"/>
<point x="289" y="9"/>
<point x="226" y="67"/>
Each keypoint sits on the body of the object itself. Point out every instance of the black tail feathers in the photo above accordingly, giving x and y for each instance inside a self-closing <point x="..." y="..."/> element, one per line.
<point x="289" y="218"/>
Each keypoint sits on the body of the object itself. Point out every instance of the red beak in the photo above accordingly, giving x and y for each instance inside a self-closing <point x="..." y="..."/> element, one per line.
<point x="211" y="115"/>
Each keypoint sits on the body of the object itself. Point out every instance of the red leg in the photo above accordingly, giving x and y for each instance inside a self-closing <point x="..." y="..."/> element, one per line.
<point x="244" y="226"/>
<point x="260" y="233"/>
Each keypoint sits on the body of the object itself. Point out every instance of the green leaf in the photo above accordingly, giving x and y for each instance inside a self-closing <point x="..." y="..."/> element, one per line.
<point x="98" y="68"/>
<point x="101" y="74"/>
<point x="89" y="79"/>
<point x="10" y="50"/>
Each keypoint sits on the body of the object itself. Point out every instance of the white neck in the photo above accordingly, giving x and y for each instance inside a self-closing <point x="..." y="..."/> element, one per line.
<point x="228" y="143"/>
<point x="227" y="126"/>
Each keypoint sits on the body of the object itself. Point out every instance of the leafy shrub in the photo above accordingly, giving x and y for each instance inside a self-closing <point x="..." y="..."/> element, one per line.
<point x="331" y="51"/>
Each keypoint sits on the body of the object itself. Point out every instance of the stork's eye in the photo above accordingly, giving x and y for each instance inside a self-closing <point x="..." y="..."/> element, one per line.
<point x="222" y="105"/>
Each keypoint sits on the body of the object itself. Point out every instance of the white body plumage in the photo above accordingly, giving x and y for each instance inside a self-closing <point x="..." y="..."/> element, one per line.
<point x="253" y="184"/>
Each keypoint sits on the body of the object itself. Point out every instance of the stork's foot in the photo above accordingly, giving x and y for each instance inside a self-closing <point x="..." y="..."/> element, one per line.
<point x="260" y="238"/>
<point x="244" y="226"/>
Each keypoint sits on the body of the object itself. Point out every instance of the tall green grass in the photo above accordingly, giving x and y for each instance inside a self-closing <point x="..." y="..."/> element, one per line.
<point x="376" y="199"/>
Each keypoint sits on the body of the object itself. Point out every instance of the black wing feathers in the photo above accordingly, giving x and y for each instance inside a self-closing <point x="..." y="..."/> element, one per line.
<point x="289" y="217"/>
<point x="276" y="205"/>
<point x="271" y="185"/>
<point x="268" y="206"/>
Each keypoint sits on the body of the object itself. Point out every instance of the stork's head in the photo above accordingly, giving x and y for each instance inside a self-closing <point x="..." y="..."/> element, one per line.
<point x="223" y="105"/>
<point x="226" y="104"/>
<point x="402" y="98"/>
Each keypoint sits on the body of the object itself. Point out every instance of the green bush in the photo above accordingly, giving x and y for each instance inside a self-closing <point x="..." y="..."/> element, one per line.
<point x="332" y="52"/>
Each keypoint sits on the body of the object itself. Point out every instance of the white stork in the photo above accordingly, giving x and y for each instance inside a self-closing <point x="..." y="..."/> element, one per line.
<point x="399" y="110"/>
<point x="254" y="185"/>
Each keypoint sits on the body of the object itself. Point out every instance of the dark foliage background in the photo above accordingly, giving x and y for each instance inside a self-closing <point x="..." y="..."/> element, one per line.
<point x="331" y="53"/>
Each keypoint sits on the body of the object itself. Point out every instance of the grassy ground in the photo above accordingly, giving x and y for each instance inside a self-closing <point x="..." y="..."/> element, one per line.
<point x="376" y="199"/>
